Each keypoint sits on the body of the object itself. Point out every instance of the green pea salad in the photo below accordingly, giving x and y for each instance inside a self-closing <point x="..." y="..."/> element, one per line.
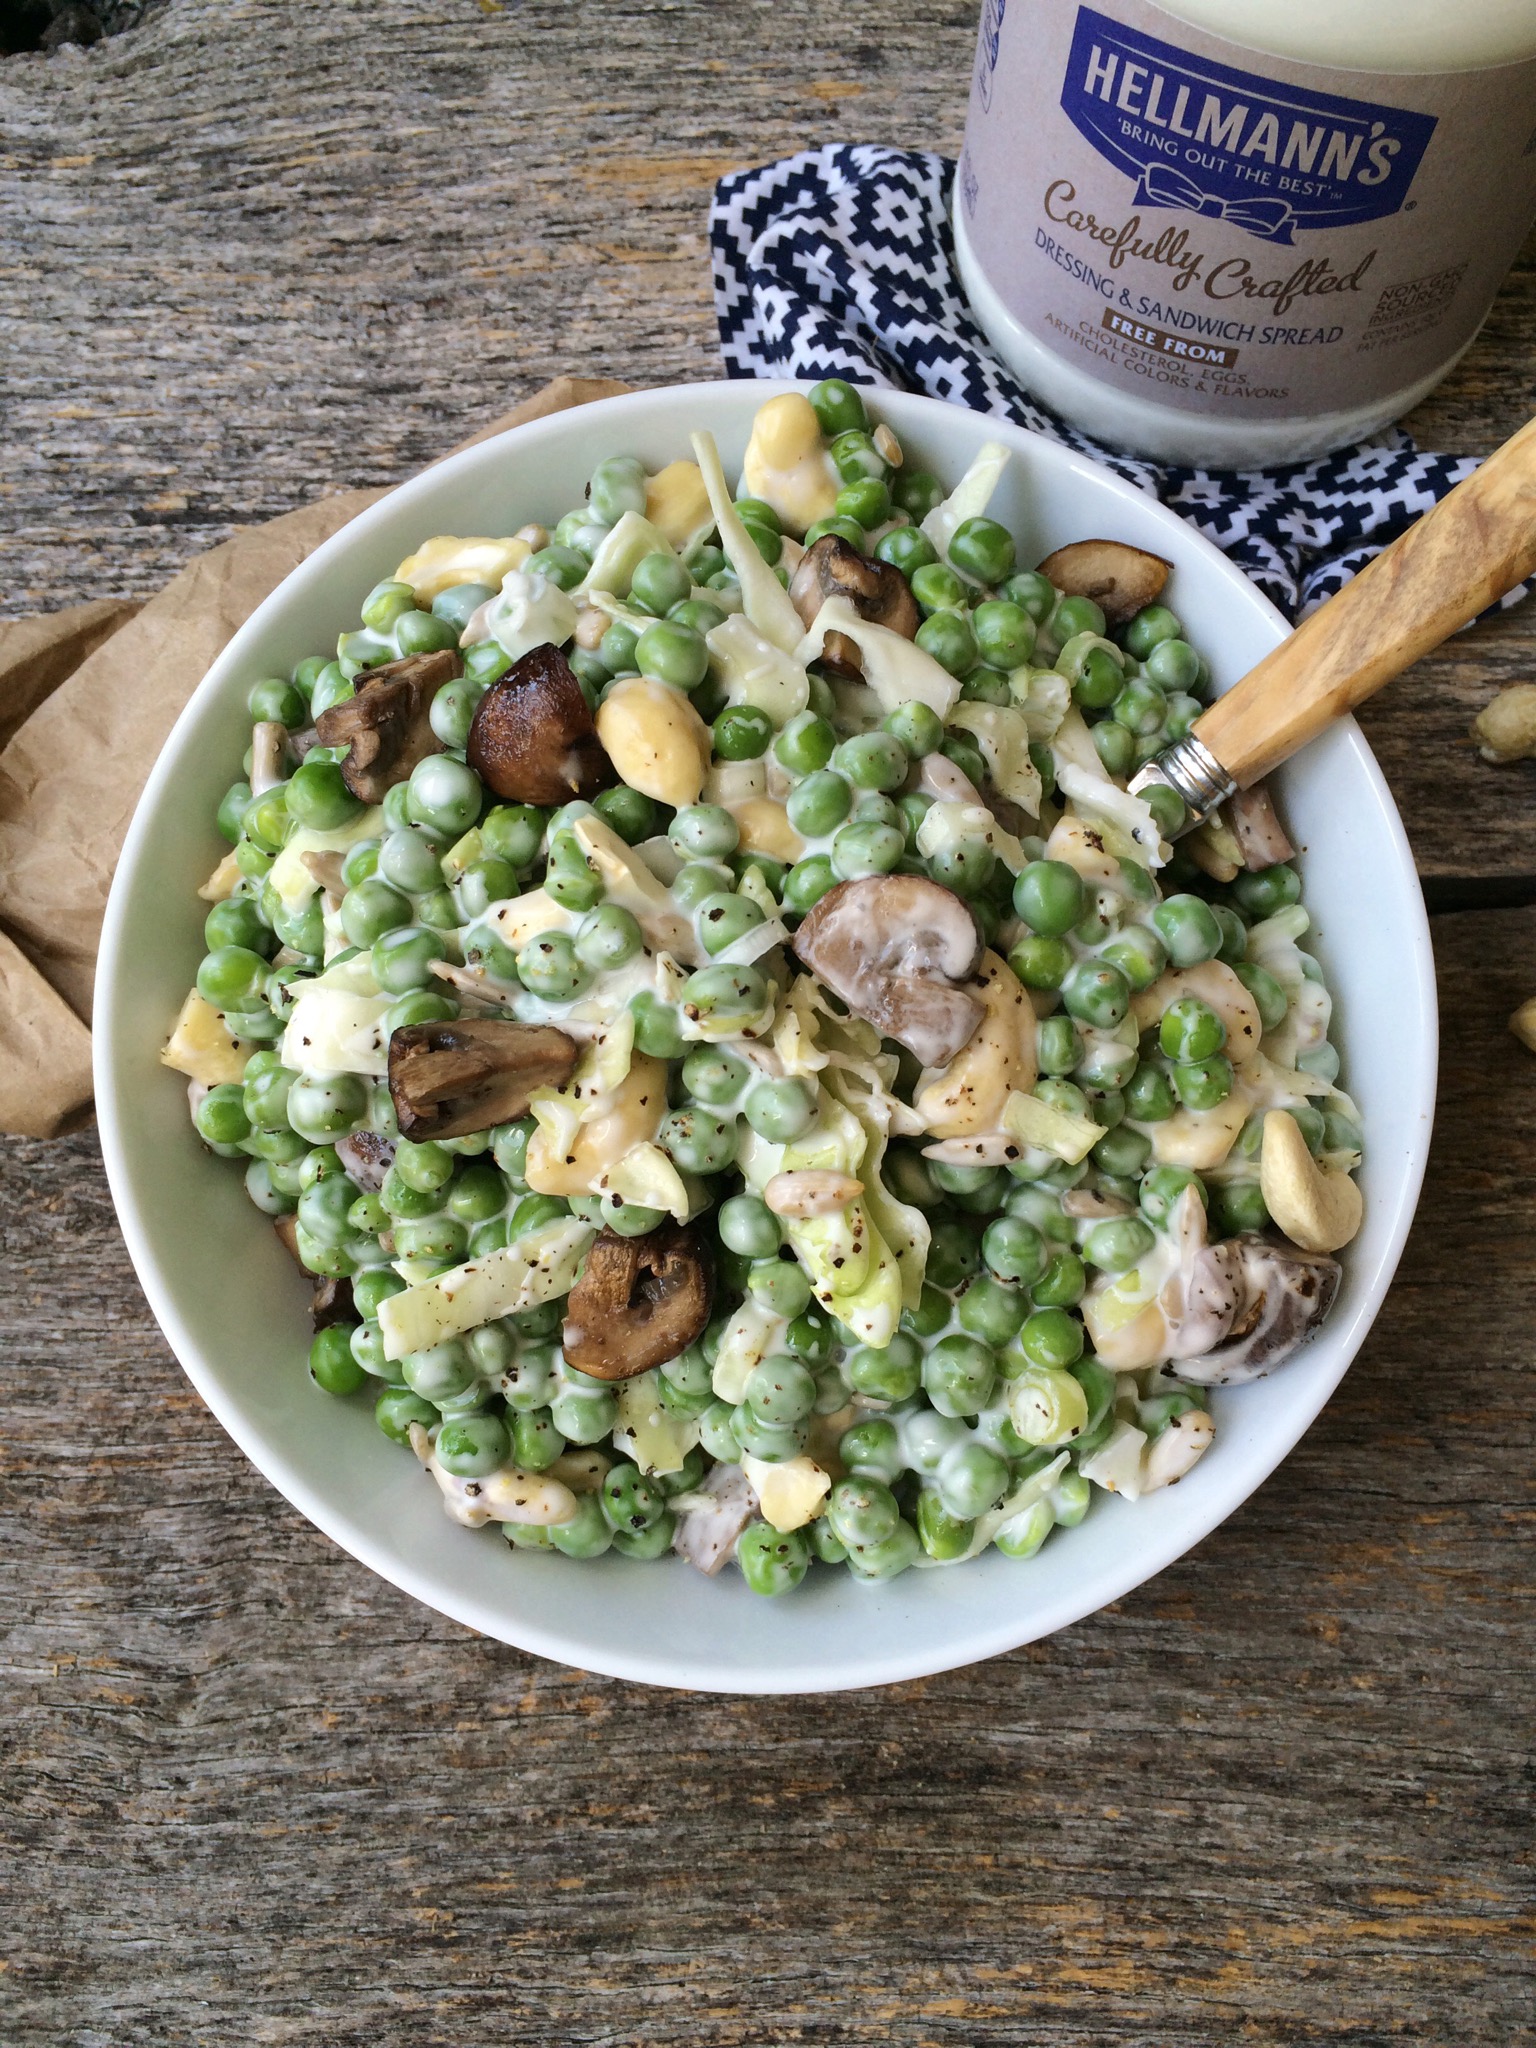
<point x="743" y="1073"/>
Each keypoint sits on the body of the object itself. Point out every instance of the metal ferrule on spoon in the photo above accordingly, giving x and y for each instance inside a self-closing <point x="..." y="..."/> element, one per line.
<point x="1476" y="545"/>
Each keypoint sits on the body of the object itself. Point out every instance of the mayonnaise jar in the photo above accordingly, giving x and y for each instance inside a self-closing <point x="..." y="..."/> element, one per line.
<point x="1233" y="232"/>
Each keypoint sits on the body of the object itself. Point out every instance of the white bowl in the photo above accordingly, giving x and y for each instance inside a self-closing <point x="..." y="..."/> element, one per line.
<point x="234" y="1309"/>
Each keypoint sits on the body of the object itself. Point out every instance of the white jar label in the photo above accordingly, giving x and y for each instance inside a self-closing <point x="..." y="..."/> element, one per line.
<point x="1228" y="233"/>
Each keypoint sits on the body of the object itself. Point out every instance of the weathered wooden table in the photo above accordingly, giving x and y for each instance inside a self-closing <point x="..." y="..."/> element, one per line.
<point x="254" y="252"/>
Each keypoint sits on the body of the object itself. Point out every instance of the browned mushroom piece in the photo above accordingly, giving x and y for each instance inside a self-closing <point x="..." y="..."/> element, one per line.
<point x="895" y="948"/>
<point x="1257" y="828"/>
<point x="1282" y="1294"/>
<point x="876" y="590"/>
<point x="533" y="740"/>
<point x="639" y="1302"/>
<point x="387" y="725"/>
<point x="367" y="1157"/>
<point x="1119" y="578"/>
<point x="332" y="1304"/>
<point x="450" y="1078"/>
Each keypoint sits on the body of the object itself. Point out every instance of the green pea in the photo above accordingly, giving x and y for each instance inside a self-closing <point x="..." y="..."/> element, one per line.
<point x="1173" y="664"/>
<point x="772" y="1561"/>
<point x="275" y="699"/>
<point x="1236" y="1206"/>
<point x="232" y="977"/>
<point x="1116" y="748"/>
<point x="1051" y="1337"/>
<point x="886" y="1560"/>
<point x="435" y="1237"/>
<point x="318" y="798"/>
<point x="1162" y="1189"/>
<point x="444" y="795"/>
<point x="717" y="1433"/>
<point x="617" y="487"/>
<point x="930" y="1315"/>
<point x="970" y="1479"/>
<point x="1096" y="993"/>
<point x="704" y="832"/>
<point x="862" y="1512"/>
<point x="397" y="1408"/>
<point x="1191" y="1030"/>
<point x="979" y="1189"/>
<point x="819" y="804"/>
<point x="697" y="880"/>
<point x="982" y="549"/>
<point x="673" y="654"/>
<point x="453" y="710"/>
<point x="1203" y="1084"/>
<point x="944" y="1537"/>
<point x="779" y="1110"/>
<point x="906" y="548"/>
<point x="872" y="761"/>
<point x="808" y="881"/>
<point x="894" y="1374"/>
<point x="471" y="1446"/>
<point x="725" y="917"/>
<point x="420" y="1006"/>
<point x="855" y="456"/>
<point x="838" y="407"/>
<point x="938" y="589"/>
<point x="657" y="1029"/>
<point x="1041" y="963"/>
<point x="917" y="492"/>
<point x="780" y="1390"/>
<point x="233" y="805"/>
<point x="608" y="937"/>
<point x="331" y="1364"/>
<point x="1139" y="953"/>
<point x="1063" y="1283"/>
<point x="773" y="1442"/>
<point x="1117" y="1245"/>
<point x="806" y="744"/>
<point x="967" y="756"/>
<point x="550" y="966"/>
<point x="1141" y="708"/>
<point x="478" y="1194"/>
<point x="1149" y="1096"/>
<point x="616" y="649"/>
<point x="659" y="582"/>
<point x="371" y="910"/>
<point x="748" y="1226"/>
<point x="712" y="1075"/>
<point x="1267" y="890"/>
<point x="424" y="1167"/>
<point x="1152" y="625"/>
<point x="1005" y="633"/>
<point x="587" y="1533"/>
<point x="991" y="1311"/>
<point x="1122" y="1153"/>
<point x="1188" y="929"/>
<point x="872" y="1450"/>
<point x="742" y="733"/>
<point x="953" y="1254"/>
<point x="698" y="1140"/>
<point x="948" y="638"/>
<point x="861" y="849"/>
<point x="409" y="861"/>
<point x="868" y="501"/>
<point x="1015" y="1251"/>
<point x="959" y="1374"/>
<point x="1049" y="896"/>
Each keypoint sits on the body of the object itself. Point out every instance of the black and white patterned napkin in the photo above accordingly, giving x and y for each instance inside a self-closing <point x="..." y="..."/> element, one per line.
<point x="839" y="262"/>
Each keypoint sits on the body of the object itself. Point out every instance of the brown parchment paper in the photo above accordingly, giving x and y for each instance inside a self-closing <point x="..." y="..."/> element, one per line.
<point x="87" y="697"/>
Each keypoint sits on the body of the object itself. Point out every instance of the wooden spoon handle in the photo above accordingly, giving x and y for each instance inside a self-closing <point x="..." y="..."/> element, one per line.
<point x="1475" y="545"/>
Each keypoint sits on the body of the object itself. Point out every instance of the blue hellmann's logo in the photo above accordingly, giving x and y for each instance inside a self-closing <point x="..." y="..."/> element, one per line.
<point x="1269" y="157"/>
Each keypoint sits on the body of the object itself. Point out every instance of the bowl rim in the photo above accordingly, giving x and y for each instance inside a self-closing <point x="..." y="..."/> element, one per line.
<point x="648" y="1665"/>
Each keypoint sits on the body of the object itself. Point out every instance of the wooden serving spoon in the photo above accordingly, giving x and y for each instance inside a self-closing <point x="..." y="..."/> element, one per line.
<point x="1477" y="543"/>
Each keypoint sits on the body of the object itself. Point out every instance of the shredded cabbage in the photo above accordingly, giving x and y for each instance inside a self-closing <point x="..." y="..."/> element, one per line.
<point x="896" y="669"/>
<point x="969" y="499"/>
<point x="754" y="671"/>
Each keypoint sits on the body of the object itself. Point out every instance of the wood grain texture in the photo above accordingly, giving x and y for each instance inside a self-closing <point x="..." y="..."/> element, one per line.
<point x="1467" y="552"/>
<point x="256" y="253"/>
